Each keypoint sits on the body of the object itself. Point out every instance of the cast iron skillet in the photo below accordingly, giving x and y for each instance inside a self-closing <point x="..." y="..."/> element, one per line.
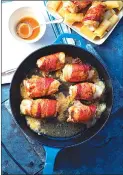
<point x="15" y="99"/>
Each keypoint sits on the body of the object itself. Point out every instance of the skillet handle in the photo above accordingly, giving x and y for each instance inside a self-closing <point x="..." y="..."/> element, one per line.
<point x="69" y="35"/>
<point x="51" y="154"/>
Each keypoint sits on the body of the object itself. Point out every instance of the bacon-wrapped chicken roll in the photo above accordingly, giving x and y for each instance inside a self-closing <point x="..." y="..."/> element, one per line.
<point x="76" y="6"/>
<point x="40" y="108"/>
<point x="77" y="72"/>
<point x="80" y="113"/>
<point x="82" y="4"/>
<point x="87" y="91"/>
<point x="51" y="62"/>
<point x="94" y="15"/>
<point x="39" y="87"/>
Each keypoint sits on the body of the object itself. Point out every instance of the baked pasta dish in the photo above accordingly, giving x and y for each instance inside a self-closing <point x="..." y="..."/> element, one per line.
<point x="94" y="19"/>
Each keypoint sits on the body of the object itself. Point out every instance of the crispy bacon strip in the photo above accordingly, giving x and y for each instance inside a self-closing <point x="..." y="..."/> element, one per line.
<point x="41" y="108"/>
<point x="82" y="4"/>
<point x="94" y="15"/>
<point x="80" y="113"/>
<point x="83" y="91"/>
<point x="39" y="87"/>
<point x="77" y="72"/>
<point x="87" y="91"/>
<point x="51" y="62"/>
<point x="76" y="6"/>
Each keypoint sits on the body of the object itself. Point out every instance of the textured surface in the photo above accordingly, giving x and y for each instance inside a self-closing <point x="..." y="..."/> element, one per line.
<point x="7" y="162"/>
<point x="98" y="156"/>
<point x="93" y="158"/>
<point x="18" y="146"/>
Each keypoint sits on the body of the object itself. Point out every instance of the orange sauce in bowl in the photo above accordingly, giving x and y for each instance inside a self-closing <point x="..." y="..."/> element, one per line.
<point x="24" y="29"/>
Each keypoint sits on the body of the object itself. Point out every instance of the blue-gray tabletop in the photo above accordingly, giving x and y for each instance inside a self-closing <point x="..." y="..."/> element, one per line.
<point x="21" y="157"/>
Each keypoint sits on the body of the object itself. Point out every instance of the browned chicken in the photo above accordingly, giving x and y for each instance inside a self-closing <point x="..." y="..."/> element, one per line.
<point x="94" y="15"/>
<point x="80" y="113"/>
<point x="51" y="62"/>
<point x="40" y="108"/>
<point x="77" y="72"/>
<point x="39" y="87"/>
<point x="87" y="91"/>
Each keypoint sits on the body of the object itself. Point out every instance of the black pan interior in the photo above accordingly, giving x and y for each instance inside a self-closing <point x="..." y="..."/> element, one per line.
<point x="28" y="64"/>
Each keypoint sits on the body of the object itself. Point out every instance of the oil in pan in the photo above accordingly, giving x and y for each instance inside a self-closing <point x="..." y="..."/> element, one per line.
<point x="57" y="127"/>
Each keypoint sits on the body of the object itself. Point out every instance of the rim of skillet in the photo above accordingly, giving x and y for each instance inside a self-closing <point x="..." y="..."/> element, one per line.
<point x="51" y="137"/>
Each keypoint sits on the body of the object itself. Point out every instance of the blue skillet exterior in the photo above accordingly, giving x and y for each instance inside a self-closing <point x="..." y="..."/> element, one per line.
<point x="114" y="62"/>
<point x="28" y="64"/>
<point x="15" y="99"/>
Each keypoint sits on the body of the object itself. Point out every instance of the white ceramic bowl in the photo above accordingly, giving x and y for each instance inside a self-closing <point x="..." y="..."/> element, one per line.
<point x="26" y="12"/>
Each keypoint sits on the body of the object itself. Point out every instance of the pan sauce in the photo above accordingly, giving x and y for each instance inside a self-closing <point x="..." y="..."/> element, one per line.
<point x="58" y="127"/>
<point x="24" y="29"/>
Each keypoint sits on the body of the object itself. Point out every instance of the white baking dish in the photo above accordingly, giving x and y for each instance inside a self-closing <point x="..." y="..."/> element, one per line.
<point x="97" y="42"/>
